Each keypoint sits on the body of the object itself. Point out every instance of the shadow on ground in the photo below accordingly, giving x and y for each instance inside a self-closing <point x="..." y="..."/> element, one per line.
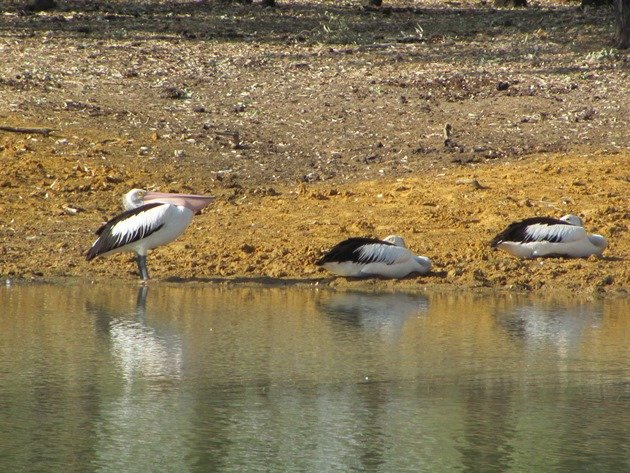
<point x="340" y="22"/>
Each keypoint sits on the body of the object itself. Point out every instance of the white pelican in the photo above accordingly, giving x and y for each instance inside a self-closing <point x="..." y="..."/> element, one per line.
<point x="362" y="257"/>
<point x="544" y="236"/>
<point x="151" y="219"/>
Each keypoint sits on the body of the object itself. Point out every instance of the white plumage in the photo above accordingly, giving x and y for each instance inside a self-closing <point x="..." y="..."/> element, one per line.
<point x="544" y="236"/>
<point x="364" y="257"/>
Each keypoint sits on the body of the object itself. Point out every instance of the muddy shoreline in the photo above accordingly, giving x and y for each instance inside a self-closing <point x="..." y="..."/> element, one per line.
<point x="277" y="237"/>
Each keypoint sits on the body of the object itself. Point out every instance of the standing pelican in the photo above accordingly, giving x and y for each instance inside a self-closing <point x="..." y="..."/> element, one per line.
<point x="361" y="257"/>
<point x="544" y="236"/>
<point x="150" y="219"/>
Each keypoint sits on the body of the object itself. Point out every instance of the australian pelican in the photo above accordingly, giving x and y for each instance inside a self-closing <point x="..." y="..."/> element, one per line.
<point x="544" y="236"/>
<point x="150" y="219"/>
<point x="364" y="257"/>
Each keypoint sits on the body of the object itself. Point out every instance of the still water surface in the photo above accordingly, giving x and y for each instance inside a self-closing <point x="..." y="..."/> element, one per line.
<point x="179" y="378"/>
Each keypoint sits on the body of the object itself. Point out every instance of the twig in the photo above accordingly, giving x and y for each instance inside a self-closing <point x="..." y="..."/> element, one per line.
<point x="236" y="138"/>
<point x="17" y="129"/>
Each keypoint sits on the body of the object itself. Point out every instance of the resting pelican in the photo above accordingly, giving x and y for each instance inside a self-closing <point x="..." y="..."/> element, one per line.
<point x="544" y="236"/>
<point x="362" y="257"/>
<point x="150" y="219"/>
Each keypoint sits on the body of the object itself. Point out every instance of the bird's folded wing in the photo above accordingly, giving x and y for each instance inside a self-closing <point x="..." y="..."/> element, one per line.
<point x="554" y="233"/>
<point x="128" y="227"/>
<point x="382" y="253"/>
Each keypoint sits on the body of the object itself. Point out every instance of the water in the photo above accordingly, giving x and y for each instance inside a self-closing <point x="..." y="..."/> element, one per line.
<point x="181" y="378"/>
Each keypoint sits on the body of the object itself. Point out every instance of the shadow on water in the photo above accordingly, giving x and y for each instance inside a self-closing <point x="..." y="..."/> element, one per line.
<point x="304" y="379"/>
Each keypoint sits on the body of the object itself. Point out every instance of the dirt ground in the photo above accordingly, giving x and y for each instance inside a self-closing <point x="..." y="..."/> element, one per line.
<point x="312" y="122"/>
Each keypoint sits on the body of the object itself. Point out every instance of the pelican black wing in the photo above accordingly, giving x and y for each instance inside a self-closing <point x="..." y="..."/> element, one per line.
<point x="127" y="227"/>
<point x="350" y="250"/>
<point x="532" y="229"/>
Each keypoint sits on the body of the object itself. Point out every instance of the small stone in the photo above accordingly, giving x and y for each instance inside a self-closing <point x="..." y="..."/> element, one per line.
<point x="453" y="273"/>
<point x="247" y="248"/>
<point x="606" y="280"/>
<point x="474" y="183"/>
<point x="175" y="93"/>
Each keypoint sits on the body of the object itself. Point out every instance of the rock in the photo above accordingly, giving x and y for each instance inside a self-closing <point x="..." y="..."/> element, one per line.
<point x="175" y="93"/>
<point x="474" y="183"/>
<point x="247" y="248"/>
<point x="71" y="210"/>
<point x="606" y="280"/>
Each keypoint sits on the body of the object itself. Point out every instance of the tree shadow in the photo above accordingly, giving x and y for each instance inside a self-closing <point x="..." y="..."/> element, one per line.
<point x="339" y="23"/>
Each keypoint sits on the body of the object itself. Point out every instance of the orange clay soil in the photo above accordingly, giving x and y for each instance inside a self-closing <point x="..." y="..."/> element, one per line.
<point x="51" y="205"/>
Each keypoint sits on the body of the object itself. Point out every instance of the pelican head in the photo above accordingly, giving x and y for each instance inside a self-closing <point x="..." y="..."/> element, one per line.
<point x="598" y="241"/>
<point x="573" y="220"/>
<point x="133" y="199"/>
<point x="395" y="240"/>
<point x="137" y="197"/>
<point x="424" y="262"/>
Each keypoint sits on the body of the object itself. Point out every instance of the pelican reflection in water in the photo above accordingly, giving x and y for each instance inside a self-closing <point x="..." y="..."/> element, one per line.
<point x="142" y="418"/>
<point x="562" y="328"/>
<point x="141" y="350"/>
<point x="385" y="313"/>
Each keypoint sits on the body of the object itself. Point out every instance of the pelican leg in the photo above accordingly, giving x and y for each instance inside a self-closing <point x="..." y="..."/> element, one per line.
<point x="141" y="300"/>
<point x="142" y="267"/>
